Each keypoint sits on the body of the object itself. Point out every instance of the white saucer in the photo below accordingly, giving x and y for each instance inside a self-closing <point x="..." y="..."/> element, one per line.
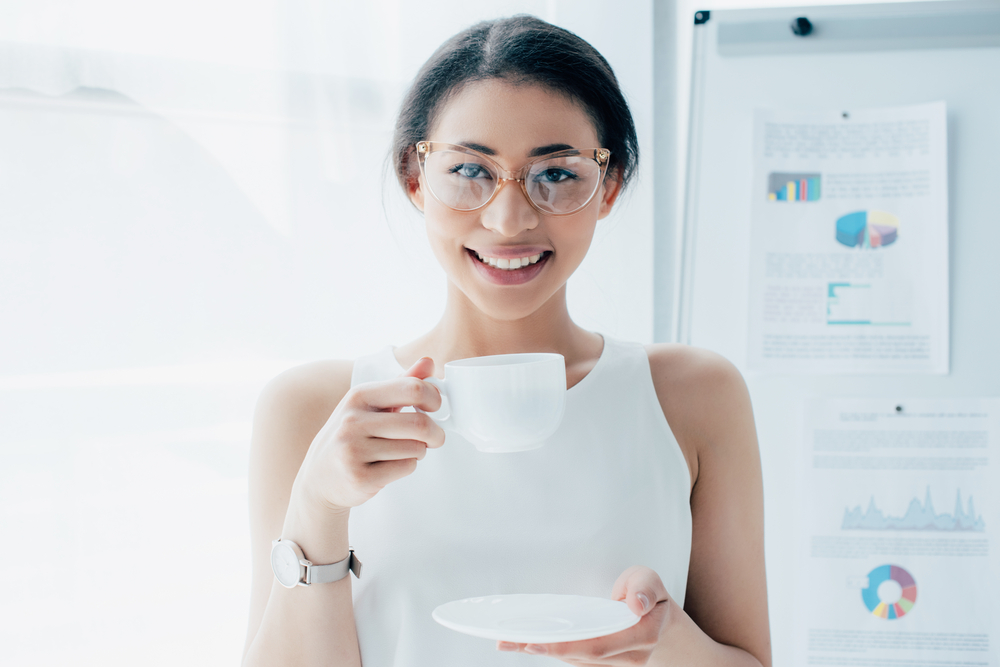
<point x="536" y="619"/>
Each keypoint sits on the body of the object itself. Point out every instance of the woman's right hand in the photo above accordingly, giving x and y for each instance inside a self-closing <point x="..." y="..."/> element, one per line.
<point x="368" y="443"/>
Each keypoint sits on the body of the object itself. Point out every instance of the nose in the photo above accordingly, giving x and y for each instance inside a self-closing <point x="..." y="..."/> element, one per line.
<point x="510" y="213"/>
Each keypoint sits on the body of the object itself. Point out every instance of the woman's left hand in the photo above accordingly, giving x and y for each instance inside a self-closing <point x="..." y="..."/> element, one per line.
<point x="645" y="595"/>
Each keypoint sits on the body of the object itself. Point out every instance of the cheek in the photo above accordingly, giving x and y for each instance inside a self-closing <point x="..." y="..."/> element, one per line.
<point x="575" y="236"/>
<point x="445" y="232"/>
<point x="574" y="253"/>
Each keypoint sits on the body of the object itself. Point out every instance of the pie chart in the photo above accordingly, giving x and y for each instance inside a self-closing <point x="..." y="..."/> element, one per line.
<point x="891" y="592"/>
<point x="867" y="229"/>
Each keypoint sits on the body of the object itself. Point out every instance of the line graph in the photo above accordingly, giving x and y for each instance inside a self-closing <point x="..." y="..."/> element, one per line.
<point x="919" y="516"/>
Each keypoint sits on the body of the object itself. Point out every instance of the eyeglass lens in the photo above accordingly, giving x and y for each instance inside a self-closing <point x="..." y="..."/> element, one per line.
<point x="465" y="181"/>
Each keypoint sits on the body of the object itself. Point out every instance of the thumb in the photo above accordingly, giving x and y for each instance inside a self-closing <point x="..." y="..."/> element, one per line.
<point x="421" y="368"/>
<point x="640" y="601"/>
<point x="641" y="589"/>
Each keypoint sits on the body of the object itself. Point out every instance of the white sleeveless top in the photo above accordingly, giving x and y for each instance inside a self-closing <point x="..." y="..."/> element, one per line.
<point x="609" y="490"/>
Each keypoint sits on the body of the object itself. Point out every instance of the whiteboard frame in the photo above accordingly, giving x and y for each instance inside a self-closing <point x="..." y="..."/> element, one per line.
<point x="974" y="231"/>
<point x="748" y="32"/>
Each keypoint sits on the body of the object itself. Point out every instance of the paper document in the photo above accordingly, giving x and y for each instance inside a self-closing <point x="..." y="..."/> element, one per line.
<point x="898" y="516"/>
<point x="849" y="241"/>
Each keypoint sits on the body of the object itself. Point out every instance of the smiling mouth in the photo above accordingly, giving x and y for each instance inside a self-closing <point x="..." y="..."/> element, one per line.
<point x="514" y="264"/>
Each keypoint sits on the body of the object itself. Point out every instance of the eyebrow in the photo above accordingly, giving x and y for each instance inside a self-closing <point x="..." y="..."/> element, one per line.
<point x="534" y="152"/>
<point x="545" y="150"/>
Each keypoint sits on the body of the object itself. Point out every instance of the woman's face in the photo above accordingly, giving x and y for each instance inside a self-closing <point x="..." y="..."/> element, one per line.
<point x="511" y="123"/>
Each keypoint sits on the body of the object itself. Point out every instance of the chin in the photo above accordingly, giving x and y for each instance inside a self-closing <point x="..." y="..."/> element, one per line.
<point x="507" y="307"/>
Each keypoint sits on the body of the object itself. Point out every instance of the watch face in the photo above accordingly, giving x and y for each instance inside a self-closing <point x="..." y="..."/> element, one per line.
<point x="285" y="564"/>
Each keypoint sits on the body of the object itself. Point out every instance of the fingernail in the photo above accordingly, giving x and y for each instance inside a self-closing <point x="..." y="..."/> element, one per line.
<point x="536" y="649"/>
<point x="643" y="600"/>
<point x="506" y="646"/>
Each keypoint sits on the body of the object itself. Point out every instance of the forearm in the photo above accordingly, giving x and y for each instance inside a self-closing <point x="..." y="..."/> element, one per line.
<point x="683" y="643"/>
<point x="309" y="625"/>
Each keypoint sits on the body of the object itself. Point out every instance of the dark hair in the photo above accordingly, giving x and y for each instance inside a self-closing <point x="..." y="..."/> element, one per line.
<point x="522" y="49"/>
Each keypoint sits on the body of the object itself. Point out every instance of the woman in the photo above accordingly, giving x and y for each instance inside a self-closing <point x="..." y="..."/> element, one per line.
<point x="650" y="492"/>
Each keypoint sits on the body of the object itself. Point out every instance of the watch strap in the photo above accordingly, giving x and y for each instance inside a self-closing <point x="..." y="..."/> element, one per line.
<point x="325" y="574"/>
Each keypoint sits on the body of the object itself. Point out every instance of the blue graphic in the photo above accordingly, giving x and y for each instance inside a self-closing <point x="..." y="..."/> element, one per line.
<point x="918" y="517"/>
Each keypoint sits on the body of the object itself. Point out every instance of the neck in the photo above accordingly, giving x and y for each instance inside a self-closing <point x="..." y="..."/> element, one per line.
<point x="466" y="331"/>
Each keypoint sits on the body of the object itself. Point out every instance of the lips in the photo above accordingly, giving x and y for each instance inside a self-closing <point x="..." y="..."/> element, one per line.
<point x="519" y="276"/>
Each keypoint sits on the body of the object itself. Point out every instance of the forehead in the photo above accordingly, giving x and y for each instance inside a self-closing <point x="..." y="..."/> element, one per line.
<point x="512" y="119"/>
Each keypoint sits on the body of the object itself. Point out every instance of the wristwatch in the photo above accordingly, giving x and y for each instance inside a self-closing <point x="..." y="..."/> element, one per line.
<point x="291" y="568"/>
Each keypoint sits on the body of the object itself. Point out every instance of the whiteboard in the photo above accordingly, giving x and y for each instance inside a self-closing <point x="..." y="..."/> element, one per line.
<point x="858" y="56"/>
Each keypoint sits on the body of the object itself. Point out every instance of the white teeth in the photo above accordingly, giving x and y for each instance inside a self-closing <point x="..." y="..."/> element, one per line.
<point x="509" y="264"/>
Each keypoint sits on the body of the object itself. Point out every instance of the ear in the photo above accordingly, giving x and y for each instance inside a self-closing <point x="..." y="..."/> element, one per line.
<point x="415" y="191"/>
<point x="414" y="186"/>
<point x="612" y="187"/>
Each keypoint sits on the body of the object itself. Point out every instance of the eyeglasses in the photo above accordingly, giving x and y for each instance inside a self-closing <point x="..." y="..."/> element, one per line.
<point x="555" y="184"/>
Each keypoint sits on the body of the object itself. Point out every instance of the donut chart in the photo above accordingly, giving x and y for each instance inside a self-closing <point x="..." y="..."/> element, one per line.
<point x="889" y="610"/>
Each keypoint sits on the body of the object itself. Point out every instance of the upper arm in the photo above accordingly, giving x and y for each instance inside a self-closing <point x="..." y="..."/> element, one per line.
<point x="290" y="411"/>
<point x="707" y="405"/>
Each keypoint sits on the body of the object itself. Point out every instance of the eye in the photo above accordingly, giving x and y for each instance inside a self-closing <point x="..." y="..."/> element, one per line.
<point x="553" y="175"/>
<point x="470" y="170"/>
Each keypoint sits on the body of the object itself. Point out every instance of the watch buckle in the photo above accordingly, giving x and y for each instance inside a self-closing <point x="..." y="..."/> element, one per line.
<point x="305" y="565"/>
<point x="355" y="564"/>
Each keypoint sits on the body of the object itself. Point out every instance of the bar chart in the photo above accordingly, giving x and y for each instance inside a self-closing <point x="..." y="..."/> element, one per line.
<point x="789" y="187"/>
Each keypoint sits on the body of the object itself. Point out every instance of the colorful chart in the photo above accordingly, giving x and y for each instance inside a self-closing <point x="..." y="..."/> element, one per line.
<point x="919" y="516"/>
<point x="793" y="187"/>
<point x="867" y="229"/>
<point x="889" y="609"/>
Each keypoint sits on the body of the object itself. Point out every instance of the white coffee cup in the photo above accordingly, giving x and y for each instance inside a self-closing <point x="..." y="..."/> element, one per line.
<point x="505" y="402"/>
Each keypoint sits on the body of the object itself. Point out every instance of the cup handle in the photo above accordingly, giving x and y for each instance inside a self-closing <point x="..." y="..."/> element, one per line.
<point x="444" y="413"/>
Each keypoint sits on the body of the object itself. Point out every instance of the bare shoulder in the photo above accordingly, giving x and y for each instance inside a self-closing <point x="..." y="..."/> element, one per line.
<point x="291" y="410"/>
<point x="704" y="400"/>
<point x="692" y="373"/>
<point x="306" y="391"/>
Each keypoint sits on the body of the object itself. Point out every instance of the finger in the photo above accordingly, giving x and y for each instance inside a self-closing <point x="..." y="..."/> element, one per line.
<point x="624" y="658"/>
<point x="641" y="588"/>
<point x="397" y="393"/>
<point x="382" y="473"/>
<point x="578" y="653"/>
<point x="640" y="638"/>
<point x="421" y="368"/>
<point x="382" y="449"/>
<point x="404" y="426"/>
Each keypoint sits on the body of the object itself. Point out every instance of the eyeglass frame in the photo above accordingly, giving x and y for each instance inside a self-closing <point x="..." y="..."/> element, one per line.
<point x="601" y="157"/>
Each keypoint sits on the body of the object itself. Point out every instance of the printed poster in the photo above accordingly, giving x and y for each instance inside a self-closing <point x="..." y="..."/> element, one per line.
<point x="899" y="515"/>
<point x="849" y="241"/>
